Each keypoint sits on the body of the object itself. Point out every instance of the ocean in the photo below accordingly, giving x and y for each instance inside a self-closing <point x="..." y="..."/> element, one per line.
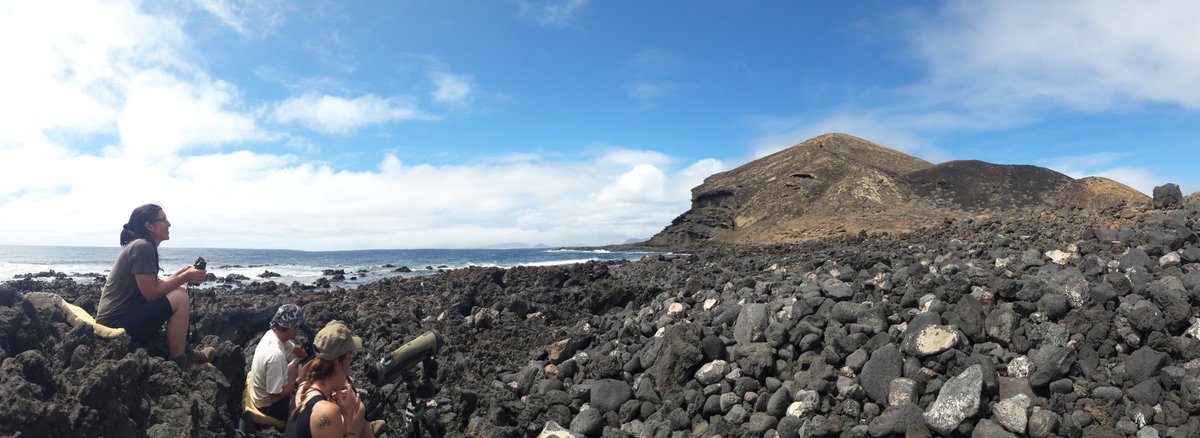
<point x="360" y="266"/>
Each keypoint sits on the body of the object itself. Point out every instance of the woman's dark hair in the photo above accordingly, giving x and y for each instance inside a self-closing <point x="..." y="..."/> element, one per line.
<point x="136" y="227"/>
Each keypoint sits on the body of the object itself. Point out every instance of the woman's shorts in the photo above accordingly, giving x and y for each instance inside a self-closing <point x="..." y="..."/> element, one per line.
<point x="143" y="322"/>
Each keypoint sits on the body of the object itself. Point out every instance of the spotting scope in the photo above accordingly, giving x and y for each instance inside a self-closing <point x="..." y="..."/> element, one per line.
<point x="392" y="365"/>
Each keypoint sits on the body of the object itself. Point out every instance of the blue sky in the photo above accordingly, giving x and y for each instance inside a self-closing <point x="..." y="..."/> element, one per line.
<point x="415" y="124"/>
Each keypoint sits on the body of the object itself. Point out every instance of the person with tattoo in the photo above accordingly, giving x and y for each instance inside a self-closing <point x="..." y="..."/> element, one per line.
<point x="327" y="404"/>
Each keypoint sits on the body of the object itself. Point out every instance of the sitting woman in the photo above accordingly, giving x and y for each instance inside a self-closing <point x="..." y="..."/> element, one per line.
<point x="327" y="405"/>
<point x="134" y="297"/>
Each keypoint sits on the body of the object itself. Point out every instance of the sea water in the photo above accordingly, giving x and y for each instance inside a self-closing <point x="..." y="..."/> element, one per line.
<point x="360" y="266"/>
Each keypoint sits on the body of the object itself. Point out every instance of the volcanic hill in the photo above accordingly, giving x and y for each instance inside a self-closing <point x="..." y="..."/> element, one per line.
<point x="837" y="183"/>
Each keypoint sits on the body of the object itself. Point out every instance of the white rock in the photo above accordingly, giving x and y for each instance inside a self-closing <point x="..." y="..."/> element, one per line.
<point x="1012" y="413"/>
<point x="709" y="303"/>
<point x="712" y="372"/>
<point x="676" y="309"/>
<point x="1194" y="330"/>
<point x="958" y="399"/>
<point x="931" y="340"/>
<point x="1061" y="258"/>
<point x="902" y="391"/>
<point x="553" y="430"/>
<point x="1169" y="260"/>
<point x="1020" y="366"/>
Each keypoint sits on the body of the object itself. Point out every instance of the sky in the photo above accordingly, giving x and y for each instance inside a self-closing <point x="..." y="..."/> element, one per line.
<point x="332" y="125"/>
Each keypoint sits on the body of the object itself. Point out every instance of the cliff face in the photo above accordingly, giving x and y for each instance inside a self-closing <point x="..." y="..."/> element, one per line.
<point x="837" y="183"/>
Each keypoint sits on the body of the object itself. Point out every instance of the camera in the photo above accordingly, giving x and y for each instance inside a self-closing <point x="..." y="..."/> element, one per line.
<point x="310" y="350"/>
<point x="199" y="264"/>
<point x="394" y="364"/>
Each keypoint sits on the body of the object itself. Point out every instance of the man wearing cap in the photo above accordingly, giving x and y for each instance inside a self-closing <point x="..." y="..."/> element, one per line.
<point x="273" y="375"/>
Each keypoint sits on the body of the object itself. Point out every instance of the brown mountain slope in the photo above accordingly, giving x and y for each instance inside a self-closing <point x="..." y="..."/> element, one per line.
<point x="837" y="183"/>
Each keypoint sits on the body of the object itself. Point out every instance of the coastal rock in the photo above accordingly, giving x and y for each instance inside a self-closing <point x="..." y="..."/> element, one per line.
<point x="1102" y="344"/>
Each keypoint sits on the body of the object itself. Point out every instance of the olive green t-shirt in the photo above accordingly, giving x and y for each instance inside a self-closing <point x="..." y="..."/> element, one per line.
<point x="120" y="293"/>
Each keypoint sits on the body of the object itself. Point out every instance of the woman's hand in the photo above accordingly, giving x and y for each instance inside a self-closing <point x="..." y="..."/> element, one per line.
<point x="352" y="407"/>
<point x="192" y="274"/>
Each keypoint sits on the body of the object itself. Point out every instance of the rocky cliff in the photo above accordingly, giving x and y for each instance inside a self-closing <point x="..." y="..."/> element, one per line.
<point x="837" y="183"/>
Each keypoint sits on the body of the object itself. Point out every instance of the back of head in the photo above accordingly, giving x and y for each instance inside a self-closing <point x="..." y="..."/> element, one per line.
<point x="136" y="227"/>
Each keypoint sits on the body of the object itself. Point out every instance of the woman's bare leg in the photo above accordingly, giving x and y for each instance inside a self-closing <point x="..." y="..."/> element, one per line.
<point x="177" y="325"/>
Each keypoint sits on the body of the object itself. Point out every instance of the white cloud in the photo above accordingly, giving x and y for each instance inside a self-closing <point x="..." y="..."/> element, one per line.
<point x="1106" y="164"/>
<point x="1082" y="54"/>
<point x="338" y="115"/>
<point x="162" y="115"/>
<point x="451" y="89"/>
<point x="552" y="13"/>
<point x="247" y="199"/>
<point x="625" y="157"/>
<point x="105" y="69"/>
<point x="66" y="70"/>
<point x="1141" y="179"/>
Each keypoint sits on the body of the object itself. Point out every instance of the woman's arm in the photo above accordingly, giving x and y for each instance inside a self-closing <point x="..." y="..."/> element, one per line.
<point x="152" y="288"/>
<point x="326" y="420"/>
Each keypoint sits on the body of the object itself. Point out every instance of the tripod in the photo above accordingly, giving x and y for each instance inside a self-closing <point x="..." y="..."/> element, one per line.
<point x="418" y="422"/>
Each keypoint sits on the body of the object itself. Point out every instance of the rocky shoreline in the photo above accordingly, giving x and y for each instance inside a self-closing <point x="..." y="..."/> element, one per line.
<point x="1048" y="322"/>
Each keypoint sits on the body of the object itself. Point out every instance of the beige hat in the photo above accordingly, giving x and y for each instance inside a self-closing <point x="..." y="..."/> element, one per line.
<point x="335" y="340"/>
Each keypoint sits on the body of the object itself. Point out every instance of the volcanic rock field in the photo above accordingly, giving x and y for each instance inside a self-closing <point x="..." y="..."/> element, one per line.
<point x="1041" y="322"/>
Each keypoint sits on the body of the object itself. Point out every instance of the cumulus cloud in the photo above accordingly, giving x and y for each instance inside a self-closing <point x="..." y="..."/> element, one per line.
<point x="1076" y="53"/>
<point x="158" y="128"/>
<point x="339" y="115"/>
<point x="248" y="199"/>
<point x="162" y="115"/>
<point x="552" y="13"/>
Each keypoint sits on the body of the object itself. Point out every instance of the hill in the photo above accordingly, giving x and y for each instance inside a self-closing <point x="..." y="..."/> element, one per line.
<point x="837" y="183"/>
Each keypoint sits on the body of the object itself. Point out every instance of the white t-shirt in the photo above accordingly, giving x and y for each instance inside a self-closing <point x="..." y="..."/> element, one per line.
<point x="268" y="371"/>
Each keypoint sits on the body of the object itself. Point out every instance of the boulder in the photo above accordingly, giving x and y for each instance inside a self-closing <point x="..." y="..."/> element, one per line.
<point x="1167" y="195"/>
<point x="958" y="399"/>
<point x="678" y="359"/>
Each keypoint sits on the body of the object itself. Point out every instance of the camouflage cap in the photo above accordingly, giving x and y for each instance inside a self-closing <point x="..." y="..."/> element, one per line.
<point x="288" y="316"/>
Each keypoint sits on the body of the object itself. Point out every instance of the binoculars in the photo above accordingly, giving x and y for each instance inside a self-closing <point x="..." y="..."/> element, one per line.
<point x="392" y="365"/>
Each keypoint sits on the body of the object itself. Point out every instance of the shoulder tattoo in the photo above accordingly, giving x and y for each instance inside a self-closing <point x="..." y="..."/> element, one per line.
<point x="323" y="421"/>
